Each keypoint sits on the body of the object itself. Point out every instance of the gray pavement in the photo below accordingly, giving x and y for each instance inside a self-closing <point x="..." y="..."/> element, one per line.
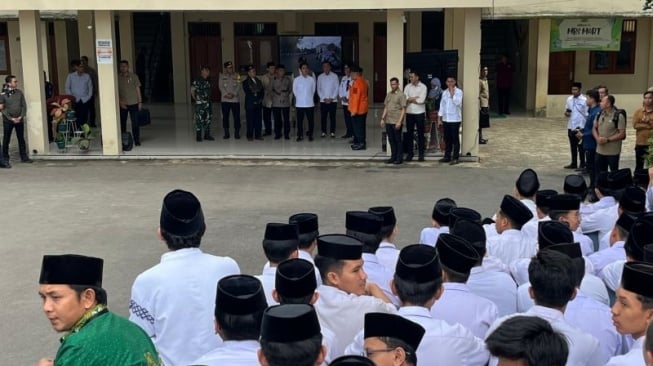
<point x="110" y="209"/>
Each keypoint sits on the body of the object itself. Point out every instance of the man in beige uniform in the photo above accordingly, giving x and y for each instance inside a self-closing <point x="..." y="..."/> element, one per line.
<point x="130" y="100"/>
<point x="267" y="97"/>
<point x="393" y="119"/>
<point x="484" y="101"/>
<point x="609" y="130"/>
<point x="230" y="92"/>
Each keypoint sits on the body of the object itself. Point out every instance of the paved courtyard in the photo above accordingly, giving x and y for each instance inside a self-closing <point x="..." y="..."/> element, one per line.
<point x="111" y="208"/>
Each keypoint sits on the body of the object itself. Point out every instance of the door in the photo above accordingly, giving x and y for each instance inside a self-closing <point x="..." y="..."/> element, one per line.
<point x="257" y="51"/>
<point x="561" y="71"/>
<point x="380" y="62"/>
<point x="206" y="50"/>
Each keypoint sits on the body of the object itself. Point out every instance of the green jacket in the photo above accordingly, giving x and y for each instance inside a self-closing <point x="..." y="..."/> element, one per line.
<point x="107" y="340"/>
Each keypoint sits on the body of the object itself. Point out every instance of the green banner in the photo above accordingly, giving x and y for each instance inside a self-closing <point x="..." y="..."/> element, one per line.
<point x="594" y="34"/>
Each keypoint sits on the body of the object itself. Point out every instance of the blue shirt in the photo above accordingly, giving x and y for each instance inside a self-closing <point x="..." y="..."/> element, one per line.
<point x="588" y="139"/>
<point x="80" y="86"/>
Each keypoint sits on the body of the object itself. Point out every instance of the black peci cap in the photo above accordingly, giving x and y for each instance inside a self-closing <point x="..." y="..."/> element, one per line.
<point x="418" y="263"/>
<point x="71" y="269"/>
<point x="527" y="183"/>
<point x="339" y="247"/>
<point x="181" y="214"/>
<point x="456" y="253"/>
<point x="240" y="295"/>
<point x="289" y="323"/>
<point x="295" y="278"/>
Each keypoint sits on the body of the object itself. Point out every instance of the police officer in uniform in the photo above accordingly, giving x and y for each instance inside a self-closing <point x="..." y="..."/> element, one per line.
<point x="200" y="91"/>
<point x="230" y="91"/>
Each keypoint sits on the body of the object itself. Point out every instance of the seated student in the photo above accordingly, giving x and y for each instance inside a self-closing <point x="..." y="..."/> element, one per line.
<point x="648" y="352"/>
<point x="352" y="361"/>
<point x="392" y="340"/>
<point x="418" y="284"/>
<point x="457" y="303"/>
<point x="345" y="295"/>
<point x="290" y="335"/>
<point x="280" y="242"/>
<point x="565" y="208"/>
<point x="633" y="310"/>
<point x="542" y="213"/>
<point x="526" y="186"/>
<point x="468" y="214"/>
<point x="552" y="287"/>
<point x="575" y="184"/>
<point x="387" y="253"/>
<point x="307" y="224"/>
<point x="239" y="306"/>
<point x="75" y="302"/>
<point x="511" y="243"/>
<point x="440" y="221"/>
<point x="616" y="251"/>
<point x="632" y="202"/>
<point x="528" y="341"/>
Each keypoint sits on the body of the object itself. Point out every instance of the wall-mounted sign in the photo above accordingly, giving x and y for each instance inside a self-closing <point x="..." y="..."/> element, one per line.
<point x="595" y="34"/>
<point x="104" y="51"/>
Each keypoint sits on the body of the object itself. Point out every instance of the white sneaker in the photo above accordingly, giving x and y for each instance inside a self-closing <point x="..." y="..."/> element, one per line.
<point x="333" y="135"/>
<point x="323" y="134"/>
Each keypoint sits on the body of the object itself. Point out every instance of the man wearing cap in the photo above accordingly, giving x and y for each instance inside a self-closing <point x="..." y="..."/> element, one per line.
<point x="267" y="79"/>
<point x="366" y="227"/>
<point x="279" y="243"/>
<point x="303" y="88"/>
<point x="490" y="283"/>
<point x="542" y="213"/>
<point x="575" y="184"/>
<point x="290" y="335"/>
<point x="352" y="361"/>
<point x="200" y="91"/>
<point x="603" y="197"/>
<point x="281" y="97"/>
<point x="439" y="221"/>
<point x="185" y="278"/>
<point x="254" y="92"/>
<point x="392" y="340"/>
<point x="230" y="99"/>
<point x="75" y="302"/>
<point x="615" y="252"/>
<point x="418" y="284"/>
<point x="345" y="295"/>
<point x="239" y="306"/>
<point x="633" y="310"/>
<point x="358" y="106"/>
<point x="387" y="254"/>
<point x="576" y="111"/>
<point x="526" y="186"/>
<point x="552" y="287"/>
<point x="308" y="227"/>
<point x="511" y="243"/>
<point x="633" y="202"/>
<point x="458" y="304"/>
<point x="565" y="208"/>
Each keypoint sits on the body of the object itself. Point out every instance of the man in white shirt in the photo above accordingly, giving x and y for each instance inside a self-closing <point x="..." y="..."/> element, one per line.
<point x="239" y="307"/>
<point x="458" y="304"/>
<point x="307" y="225"/>
<point x="552" y="287"/>
<point x="418" y="284"/>
<point x="279" y="243"/>
<point x="387" y="254"/>
<point x="632" y="200"/>
<point x="439" y="221"/>
<point x="575" y="184"/>
<point x="345" y="295"/>
<point x="343" y="94"/>
<point x="576" y="111"/>
<point x="451" y="116"/>
<point x="415" y="114"/>
<point x="616" y="251"/>
<point x="633" y="310"/>
<point x="565" y="208"/>
<point x="303" y="87"/>
<point x="327" y="90"/>
<point x="185" y="279"/>
<point x="511" y="243"/>
<point x="530" y="228"/>
<point x="526" y="186"/>
<point x="395" y="333"/>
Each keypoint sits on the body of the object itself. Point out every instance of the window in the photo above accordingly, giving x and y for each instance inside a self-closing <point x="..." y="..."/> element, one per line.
<point x="617" y="62"/>
<point x="4" y="50"/>
<point x="255" y="29"/>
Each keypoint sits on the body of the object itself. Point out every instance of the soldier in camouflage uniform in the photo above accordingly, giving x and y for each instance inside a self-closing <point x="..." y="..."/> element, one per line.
<point x="200" y="90"/>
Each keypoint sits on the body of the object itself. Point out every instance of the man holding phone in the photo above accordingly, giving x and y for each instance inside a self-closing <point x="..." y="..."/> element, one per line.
<point x="576" y="111"/>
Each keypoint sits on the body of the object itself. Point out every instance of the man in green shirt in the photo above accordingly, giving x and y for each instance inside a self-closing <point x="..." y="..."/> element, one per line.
<point x="74" y="302"/>
<point x="200" y="90"/>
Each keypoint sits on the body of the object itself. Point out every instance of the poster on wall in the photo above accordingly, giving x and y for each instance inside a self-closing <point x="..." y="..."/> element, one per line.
<point x="593" y="34"/>
<point x="104" y="51"/>
<point x="310" y="49"/>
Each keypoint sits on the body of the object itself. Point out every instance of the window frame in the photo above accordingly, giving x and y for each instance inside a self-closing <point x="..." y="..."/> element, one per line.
<point x="627" y="35"/>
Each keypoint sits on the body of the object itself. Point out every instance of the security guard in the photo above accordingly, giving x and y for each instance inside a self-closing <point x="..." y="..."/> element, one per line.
<point x="200" y="91"/>
<point x="230" y="90"/>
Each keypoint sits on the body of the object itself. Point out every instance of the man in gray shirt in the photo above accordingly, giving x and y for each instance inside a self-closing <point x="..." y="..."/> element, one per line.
<point x="80" y="85"/>
<point x="13" y="109"/>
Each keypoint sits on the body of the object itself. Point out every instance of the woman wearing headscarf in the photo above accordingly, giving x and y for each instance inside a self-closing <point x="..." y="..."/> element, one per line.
<point x="432" y="107"/>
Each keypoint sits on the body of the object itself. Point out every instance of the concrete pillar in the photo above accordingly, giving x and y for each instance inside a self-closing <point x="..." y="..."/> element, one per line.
<point x="531" y="65"/>
<point x="542" y="67"/>
<point x="63" y="60"/>
<point x="45" y="51"/>
<point x="395" y="46"/>
<point x="85" y="32"/>
<point x="108" y="86"/>
<point x="448" y="28"/>
<point x="228" y="42"/>
<point x="126" y="26"/>
<point x="414" y="31"/>
<point x="458" y="39"/>
<point x="15" y="61"/>
<point x="32" y="82"/>
<point x="180" y="61"/>
<point x="650" y="54"/>
<point x="470" y="73"/>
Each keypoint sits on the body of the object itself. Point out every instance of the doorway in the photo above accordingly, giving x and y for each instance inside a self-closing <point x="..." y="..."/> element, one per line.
<point x="205" y="47"/>
<point x="562" y="71"/>
<point x="380" y="62"/>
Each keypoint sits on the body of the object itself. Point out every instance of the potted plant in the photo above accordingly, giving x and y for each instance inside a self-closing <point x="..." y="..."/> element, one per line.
<point x="60" y="140"/>
<point x="58" y="112"/>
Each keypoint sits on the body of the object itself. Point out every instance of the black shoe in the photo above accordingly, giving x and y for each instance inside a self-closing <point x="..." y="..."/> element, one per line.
<point x="345" y="136"/>
<point x="390" y="161"/>
<point x="277" y="137"/>
<point x="198" y="136"/>
<point x="258" y="138"/>
<point x="250" y="139"/>
<point x="26" y="160"/>
<point x="358" y="147"/>
<point x="299" y="138"/>
<point x="267" y="133"/>
<point x="310" y="137"/>
<point x="226" y="134"/>
<point x="237" y="135"/>
<point x="454" y="162"/>
<point x="482" y="141"/>
<point x="582" y="166"/>
<point x="570" y="166"/>
<point x="409" y="158"/>
<point x="421" y="158"/>
<point x="444" y="160"/>
<point x="138" y="143"/>
<point x="286" y="137"/>
<point x="5" y="164"/>
<point x="397" y="162"/>
<point x="209" y="137"/>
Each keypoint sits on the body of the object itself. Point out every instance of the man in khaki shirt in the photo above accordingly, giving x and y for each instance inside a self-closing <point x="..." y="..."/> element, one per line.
<point x="608" y="136"/>
<point x="643" y="124"/>
<point x="267" y="97"/>
<point x="230" y="101"/>
<point x="392" y="120"/>
<point x="129" y="97"/>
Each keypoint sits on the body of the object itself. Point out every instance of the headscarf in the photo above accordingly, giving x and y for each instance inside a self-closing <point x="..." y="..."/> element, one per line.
<point x="435" y="93"/>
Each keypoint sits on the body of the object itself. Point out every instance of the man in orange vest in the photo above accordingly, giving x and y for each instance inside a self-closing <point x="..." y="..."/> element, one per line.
<point x="358" y="106"/>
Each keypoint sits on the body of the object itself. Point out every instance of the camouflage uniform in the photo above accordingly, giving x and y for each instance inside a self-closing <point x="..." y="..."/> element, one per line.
<point x="203" y="112"/>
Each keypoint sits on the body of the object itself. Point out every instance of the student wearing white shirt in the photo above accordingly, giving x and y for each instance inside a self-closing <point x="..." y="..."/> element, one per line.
<point x="327" y="90"/>
<point x="632" y="201"/>
<point x="303" y="88"/>
<point x="511" y="244"/>
<point x="345" y="295"/>
<point x="616" y="251"/>
<point x="530" y="228"/>
<point x="526" y="186"/>
<point x="387" y="254"/>
<point x="565" y="208"/>
<point x="415" y="114"/>
<point x="576" y="111"/>
<point x="451" y="116"/>
<point x="648" y="351"/>
<point x="552" y="287"/>
<point x="457" y="303"/>
<point x="633" y="310"/>
<point x="366" y="227"/>
<point x="185" y="278"/>
<point x="279" y="243"/>
<point x="307" y="224"/>
<point x="239" y="306"/>
<point x="418" y="284"/>
<point x="603" y="220"/>
<point x="439" y="221"/>
<point x="397" y="336"/>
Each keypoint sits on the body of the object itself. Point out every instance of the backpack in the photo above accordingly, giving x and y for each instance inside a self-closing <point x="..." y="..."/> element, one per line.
<point x="615" y="119"/>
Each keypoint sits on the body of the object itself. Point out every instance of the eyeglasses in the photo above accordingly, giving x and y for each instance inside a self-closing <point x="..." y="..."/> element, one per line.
<point x="369" y="352"/>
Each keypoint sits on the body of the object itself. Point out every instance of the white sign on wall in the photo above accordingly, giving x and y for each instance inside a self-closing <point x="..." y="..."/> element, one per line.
<point x="104" y="51"/>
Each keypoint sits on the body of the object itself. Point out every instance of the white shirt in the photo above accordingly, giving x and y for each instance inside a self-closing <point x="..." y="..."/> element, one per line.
<point x="635" y="357"/>
<point x="378" y="274"/>
<point x="303" y="87"/>
<point x="649" y="199"/>
<point x="232" y="353"/>
<point x="606" y="256"/>
<point x="267" y="280"/>
<point x="589" y="208"/>
<point x="343" y="90"/>
<point x="416" y="91"/>
<point x="429" y="235"/>
<point x="591" y="286"/>
<point x="344" y="314"/>
<point x="388" y="255"/>
<point x="307" y="256"/>
<point x="327" y="87"/>
<point x="531" y="228"/>
<point x="611" y="274"/>
<point x="583" y="348"/>
<point x="586" y="244"/>
<point x="578" y="108"/>
<point x="459" y="305"/>
<point x="602" y="220"/>
<point x="594" y="318"/>
<point x="449" y="344"/>
<point x="519" y="269"/>
<point x="510" y="245"/>
<point x="451" y="107"/>
<point x="495" y="286"/>
<point x="530" y="204"/>
<point x="177" y="296"/>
